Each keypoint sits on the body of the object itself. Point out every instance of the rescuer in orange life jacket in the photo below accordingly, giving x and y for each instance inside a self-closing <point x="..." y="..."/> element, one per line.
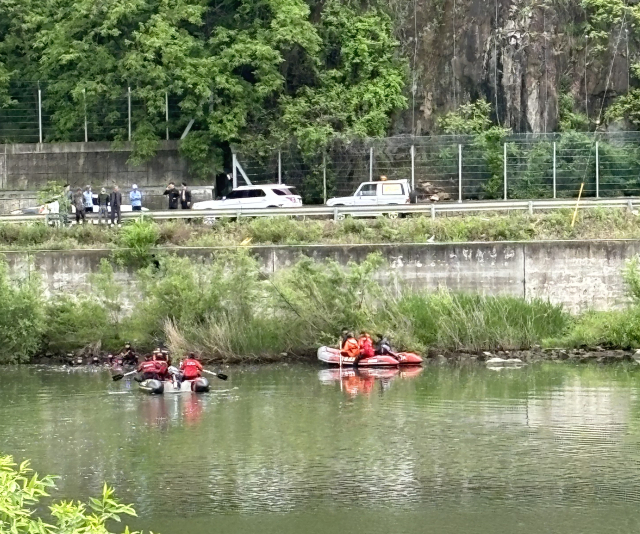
<point x="349" y="346"/>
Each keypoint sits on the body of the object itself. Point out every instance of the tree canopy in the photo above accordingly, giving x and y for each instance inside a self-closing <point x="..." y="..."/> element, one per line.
<point x="244" y="70"/>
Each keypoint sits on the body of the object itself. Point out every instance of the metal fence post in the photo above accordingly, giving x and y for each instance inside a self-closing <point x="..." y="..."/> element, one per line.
<point x="505" y="170"/>
<point x="371" y="164"/>
<point x="279" y="166"/>
<point x="166" y="112"/>
<point x="459" y="173"/>
<point x="555" y="185"/>
<point x="129" y="109"/>
<point x="413" y="167"/>
<point x="324" y="177"/>
<point x="234" y="163"/>
<point x="597" y="171"/>
<point x="40" y="113"/>
<point x="86" y="128"/>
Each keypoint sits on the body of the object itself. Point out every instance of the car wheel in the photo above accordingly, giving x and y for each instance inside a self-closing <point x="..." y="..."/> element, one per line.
<point x="209" y="221"/>
<point x="392" y="215"/>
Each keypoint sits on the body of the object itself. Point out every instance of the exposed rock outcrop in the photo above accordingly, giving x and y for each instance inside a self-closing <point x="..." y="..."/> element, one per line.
<point x="519" y="60"/>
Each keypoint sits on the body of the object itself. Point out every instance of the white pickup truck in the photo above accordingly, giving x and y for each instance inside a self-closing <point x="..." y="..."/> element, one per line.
<point x="383" y="193"/>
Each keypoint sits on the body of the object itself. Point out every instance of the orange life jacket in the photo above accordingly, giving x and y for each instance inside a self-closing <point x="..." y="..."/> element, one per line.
<point x="351" y="348"/>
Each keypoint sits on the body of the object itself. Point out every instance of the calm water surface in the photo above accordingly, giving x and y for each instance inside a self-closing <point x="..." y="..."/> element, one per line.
<point x="294" y="449"/>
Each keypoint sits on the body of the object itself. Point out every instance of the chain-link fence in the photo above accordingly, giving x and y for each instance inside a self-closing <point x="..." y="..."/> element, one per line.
<point x="46" y="112"/>
<point x="440" y="168"/>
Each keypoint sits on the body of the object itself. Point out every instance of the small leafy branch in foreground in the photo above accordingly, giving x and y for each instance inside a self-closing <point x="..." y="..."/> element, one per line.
<point x="21" y="491"/>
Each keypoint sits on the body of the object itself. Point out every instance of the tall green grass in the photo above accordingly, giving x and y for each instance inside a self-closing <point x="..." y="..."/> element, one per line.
<point x="139" y="236"/>
<point x="230" y="310"/>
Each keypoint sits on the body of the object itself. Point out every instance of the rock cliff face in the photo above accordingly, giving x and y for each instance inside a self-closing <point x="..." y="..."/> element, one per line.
<point x="518" y="54"/>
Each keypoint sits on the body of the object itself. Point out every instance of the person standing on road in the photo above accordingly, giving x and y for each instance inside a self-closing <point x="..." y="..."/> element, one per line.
<point x="88" y="199"/>
<point x="173" y="195"/>
<point x="78" y="203"/>
<point x="116" y="202"/>
<point x="103" y="202"/>
<point x="185" y="197"/>
<point x="135" y="196"/>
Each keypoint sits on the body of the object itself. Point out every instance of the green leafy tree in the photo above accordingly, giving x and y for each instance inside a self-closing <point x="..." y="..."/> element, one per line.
<point x="242" y="70"/>
<point x="485" y="146"/>
<point x="21" y="493"/>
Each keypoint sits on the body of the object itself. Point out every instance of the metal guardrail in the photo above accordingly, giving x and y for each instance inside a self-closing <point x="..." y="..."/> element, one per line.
<point x="340" y="212"/>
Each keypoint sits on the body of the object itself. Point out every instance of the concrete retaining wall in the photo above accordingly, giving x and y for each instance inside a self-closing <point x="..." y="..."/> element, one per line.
<point x="579" y="275"/>
<point x="26" y="168"/>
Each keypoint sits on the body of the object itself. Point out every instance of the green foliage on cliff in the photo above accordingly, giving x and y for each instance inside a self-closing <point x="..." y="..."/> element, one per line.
<point x="244" y="70"/>
<point x="487" y="143"/>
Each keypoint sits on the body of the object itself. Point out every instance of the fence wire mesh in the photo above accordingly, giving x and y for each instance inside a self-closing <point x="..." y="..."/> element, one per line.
<point x="439" y="167"/>
<point x="444" y="168"/>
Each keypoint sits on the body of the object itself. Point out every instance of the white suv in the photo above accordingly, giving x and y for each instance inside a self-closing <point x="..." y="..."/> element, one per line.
<point x="255" y="196"/>
<point x="384" y="193"/>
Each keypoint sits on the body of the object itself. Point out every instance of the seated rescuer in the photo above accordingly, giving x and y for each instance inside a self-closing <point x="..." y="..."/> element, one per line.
<point x="366" y="346"/>
<point x="191" y="368"/>
<point x="162" y="368"/>
<point x="129" y="356"/>
<point x="148" y="369"/>
<point x="343" y="337"/>
<point x="383" y="346"/>
<point x="350" y="347"/>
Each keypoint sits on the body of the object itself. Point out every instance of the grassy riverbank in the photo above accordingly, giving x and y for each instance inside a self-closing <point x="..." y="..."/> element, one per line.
<point x="596" y="223"/>
<point x="229" y="311"/>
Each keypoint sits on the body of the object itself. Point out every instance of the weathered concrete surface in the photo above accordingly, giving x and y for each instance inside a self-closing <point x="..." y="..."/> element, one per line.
<point x="578" y="275"/>
<point x="487" y="268"/>
<point x="26" y="168"/>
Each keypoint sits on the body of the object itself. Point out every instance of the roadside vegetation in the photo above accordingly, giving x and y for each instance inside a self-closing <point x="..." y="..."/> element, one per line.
<point x="228" y="310"/>
<point x="594" y="223"/>
<point x="22" y="510"/>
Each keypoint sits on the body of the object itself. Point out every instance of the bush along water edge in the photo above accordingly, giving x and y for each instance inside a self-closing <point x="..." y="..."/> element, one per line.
<point x="228" y="310"/>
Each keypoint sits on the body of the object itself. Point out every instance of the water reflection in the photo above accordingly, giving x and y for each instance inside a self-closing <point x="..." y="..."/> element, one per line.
<point x="277" y="443"/>
<point x="163" y="411"/>
<point x="361" y="381"/>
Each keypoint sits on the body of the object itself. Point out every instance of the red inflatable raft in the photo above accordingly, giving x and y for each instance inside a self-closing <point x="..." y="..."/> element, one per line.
<point x="332" y="357"/>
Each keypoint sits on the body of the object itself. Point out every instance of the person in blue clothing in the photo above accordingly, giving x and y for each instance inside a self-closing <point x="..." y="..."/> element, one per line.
<point x="88" y="199"/>
<point x="135" y="196"/>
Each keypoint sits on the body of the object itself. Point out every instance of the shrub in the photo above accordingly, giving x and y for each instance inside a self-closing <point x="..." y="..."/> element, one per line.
<point x="21" y="493"/>
<point x="137" y="239"/>
<point x="21" y="318"/>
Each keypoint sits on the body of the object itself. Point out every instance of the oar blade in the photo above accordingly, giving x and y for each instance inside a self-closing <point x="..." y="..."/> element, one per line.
<point x="222" y="376"/>
<point x="117" y="377"/>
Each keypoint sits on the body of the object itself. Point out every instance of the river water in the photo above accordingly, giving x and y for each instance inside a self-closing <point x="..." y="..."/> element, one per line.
<point x="290" y="449"/>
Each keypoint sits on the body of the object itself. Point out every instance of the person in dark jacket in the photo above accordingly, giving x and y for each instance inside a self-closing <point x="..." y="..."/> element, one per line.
<point x="173" y="195"/>
<point x="103" y="203"/>
<point x="115" y="200"/>
<point x="78" y="203"/>
<point x="185" y="197"/>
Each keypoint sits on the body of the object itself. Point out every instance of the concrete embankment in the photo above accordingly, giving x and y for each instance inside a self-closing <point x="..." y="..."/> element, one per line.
<point x="26" y="169"/>
<point x="577" y="274"/>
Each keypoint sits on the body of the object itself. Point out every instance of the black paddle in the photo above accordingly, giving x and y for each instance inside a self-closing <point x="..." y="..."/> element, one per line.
<point x="221" y="376"/>
<point x="120" y="376"/>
